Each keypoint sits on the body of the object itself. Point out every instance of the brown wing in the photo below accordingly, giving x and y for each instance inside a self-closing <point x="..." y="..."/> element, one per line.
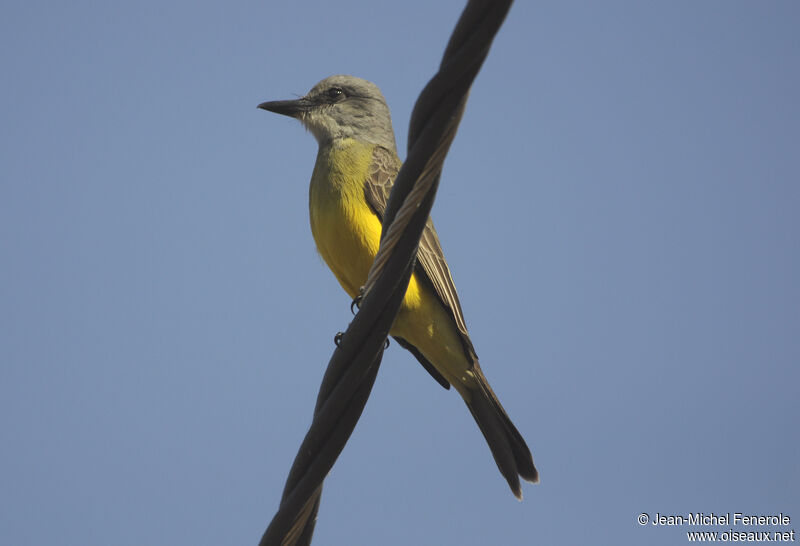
<point x="431" y="266"/>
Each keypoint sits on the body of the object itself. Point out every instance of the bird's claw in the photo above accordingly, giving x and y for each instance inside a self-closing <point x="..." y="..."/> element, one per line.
<point x="337" y="339"/>
<point x="357" y="300"/>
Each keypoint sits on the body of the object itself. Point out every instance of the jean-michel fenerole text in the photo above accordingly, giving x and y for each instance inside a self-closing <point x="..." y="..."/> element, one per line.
<point x="727" y="519"/>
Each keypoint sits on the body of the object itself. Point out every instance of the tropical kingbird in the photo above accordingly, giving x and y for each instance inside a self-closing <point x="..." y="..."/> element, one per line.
<point x="356" y="166"/>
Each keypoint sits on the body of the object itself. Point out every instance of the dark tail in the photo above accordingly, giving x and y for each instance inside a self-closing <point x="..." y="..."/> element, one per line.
<point x="509" y="449"/>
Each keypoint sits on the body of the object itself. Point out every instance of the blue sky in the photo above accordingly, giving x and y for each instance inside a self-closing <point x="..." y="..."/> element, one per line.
<point x="619" y="208"/>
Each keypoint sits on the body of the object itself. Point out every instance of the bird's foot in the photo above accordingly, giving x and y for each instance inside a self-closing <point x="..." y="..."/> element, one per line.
<point x="357" y="300"/>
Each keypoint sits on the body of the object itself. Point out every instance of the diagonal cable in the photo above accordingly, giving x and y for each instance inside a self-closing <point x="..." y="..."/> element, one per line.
<point x="355" y="362"/>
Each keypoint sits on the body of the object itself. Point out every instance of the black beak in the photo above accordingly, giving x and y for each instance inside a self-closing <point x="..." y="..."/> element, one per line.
<point x="291" y="108"/>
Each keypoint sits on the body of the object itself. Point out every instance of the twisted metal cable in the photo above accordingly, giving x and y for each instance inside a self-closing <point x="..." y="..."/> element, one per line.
<point x="355" y="362"/>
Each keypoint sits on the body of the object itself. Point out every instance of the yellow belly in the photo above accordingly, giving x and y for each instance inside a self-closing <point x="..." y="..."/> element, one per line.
<point x="347" y="235"/>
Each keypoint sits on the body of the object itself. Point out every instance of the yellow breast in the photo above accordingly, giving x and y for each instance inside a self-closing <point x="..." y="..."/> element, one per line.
<point x="345" y="228"/>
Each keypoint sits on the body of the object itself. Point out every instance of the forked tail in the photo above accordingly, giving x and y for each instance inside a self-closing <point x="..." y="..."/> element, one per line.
<point x="508" y="447"/>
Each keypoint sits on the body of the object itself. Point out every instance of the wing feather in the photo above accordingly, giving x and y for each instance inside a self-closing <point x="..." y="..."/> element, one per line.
<point x="431" y="266"/>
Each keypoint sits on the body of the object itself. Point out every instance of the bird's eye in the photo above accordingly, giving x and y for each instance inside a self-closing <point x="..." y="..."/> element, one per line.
<point x="335" y="93"/>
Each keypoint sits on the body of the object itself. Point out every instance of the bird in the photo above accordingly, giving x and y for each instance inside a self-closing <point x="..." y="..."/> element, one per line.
<point x="355" y="168"/>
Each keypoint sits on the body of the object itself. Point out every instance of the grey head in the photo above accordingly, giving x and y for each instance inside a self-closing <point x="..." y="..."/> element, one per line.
<point x="339" y="107"/>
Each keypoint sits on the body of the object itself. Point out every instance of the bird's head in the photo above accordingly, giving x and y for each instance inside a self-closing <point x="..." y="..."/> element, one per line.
<point x="341" y="107"/>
